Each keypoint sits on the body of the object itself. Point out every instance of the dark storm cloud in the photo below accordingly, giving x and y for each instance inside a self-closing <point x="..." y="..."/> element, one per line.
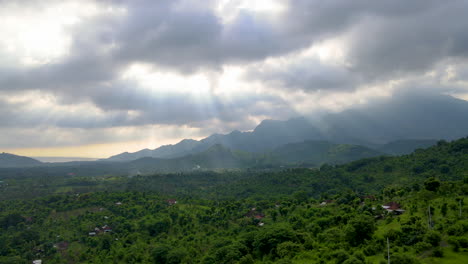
<point x="134" y="107"/>
<point x="386" y="40"/>
<point x="412" y="43"/>
<point x="383" y="41"/>
<point x="307" y="74"/>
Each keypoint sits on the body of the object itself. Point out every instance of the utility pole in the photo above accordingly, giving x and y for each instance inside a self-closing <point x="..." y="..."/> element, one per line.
<point x="388" y="251"/>
<point x="460" y="205"/>
<point x="430" y="218"/>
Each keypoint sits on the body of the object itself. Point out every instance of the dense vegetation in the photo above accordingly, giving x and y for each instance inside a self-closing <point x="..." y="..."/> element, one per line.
<point x="50" y="216"/>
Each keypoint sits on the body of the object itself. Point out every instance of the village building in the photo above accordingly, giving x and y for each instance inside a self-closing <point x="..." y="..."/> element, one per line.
<point x="106" y="229"/>
<point x="393" y="207"/>
<point x="327" y="202"/>
<point x="255" y="214"/>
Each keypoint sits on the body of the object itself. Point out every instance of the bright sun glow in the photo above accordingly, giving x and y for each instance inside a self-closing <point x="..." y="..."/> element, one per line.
<point x="167" y="82"/>
<point x="229" y="9"/>
<point x="34" y="37"/>
<point x="261" y="5"/>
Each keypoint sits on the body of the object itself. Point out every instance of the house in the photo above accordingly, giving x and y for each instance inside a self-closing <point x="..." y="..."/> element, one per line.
<point x="118" y="203"/>
<point x="261" y="224"/>
<point x="62" y="245"/>
<point x="37" y="261"/>
<point x="171" y="201"/>
<point x="326" y="202"/>
<point x="253" y="213"/>
<point x="259" y="216"/>
<point x="106" y="229"/>
<point x="92" y="233"/>
<point x="393" y="207"/>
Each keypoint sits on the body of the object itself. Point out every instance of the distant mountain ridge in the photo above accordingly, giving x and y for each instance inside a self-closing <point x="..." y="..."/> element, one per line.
<point x="406" y="146"/>
<point x="316" y="153"/>
<point x="302" y="154"/>
<point x="167" y="151"/>
<point x="378" y="124"/>
<point x="9" y="160"/>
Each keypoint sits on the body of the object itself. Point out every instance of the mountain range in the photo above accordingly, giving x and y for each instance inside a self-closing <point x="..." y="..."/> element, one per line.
<point x="302" y="154"/>
<point x="376" y="129"/>
<point x="394" y="126"/>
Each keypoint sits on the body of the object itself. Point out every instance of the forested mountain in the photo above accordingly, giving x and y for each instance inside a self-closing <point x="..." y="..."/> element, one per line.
<point x="316" y="153"/>
<point x="330" y="215"/>
<point x="168" y="151"/>
<point x="216" y="157"/>
<point x="10" y="160"/>
<point x="403" y="147"/>
<point x="374" y="124"/>
<point x="308" y="153"/>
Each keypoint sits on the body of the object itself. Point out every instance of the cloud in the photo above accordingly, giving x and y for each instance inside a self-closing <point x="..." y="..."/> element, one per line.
<point x="306" y="74"/>
<point x="389" y="47"/>
<point x="322" y="52"/>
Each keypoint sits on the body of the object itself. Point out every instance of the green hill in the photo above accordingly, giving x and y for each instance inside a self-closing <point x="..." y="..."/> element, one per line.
<point x="406" y="146"/>
<point x="329" y="215"/>
<point x="10" y="160"/>
<point x="319" y="152"/>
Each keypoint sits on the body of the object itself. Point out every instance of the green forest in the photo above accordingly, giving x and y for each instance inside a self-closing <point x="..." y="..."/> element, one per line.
<point x="411" y="208"/>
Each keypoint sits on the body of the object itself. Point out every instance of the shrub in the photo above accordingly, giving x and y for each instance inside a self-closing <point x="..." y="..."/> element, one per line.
<point x="288" y="249"/>
<point x="433" y="238"/>
<point x="403" y="259"/>
<point x="422" y="246"/>
<point x="438" y="252"/>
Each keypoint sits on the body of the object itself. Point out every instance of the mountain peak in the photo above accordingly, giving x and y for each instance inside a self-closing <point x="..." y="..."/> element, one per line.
<point x="11" y="160"/>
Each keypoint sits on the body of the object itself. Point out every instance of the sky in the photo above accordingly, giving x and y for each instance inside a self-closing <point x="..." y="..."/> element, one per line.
<point x="94" y="78"/>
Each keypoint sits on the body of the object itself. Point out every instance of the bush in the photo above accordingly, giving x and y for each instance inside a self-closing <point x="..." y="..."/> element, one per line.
<point x="360" y="229"/>
<point x="247" y="259"/>
<point x="353" y="260"/>
<point x="403" y="259"/>
<point x="422" y="246"/>
<point x="288" y="249"/>
<point x="455" y="230"/>
<point x="438" y="252"/>
<point x="340" y="256"/>
<point x="458" y="242"/>
<point x="359" y="255"/>
<point x="433" y="238"/>
<point x="432" y="184"/>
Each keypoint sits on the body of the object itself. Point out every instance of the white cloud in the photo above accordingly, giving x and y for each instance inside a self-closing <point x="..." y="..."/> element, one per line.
<point x="67" y="67"/>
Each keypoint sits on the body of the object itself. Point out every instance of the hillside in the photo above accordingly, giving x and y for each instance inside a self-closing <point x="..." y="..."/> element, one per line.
<point x="168" y="151"/>
<point x="318" y="152"/>
<point x="10" y="160"/>
<point x="295" y="216"/>
<point x="403" y="147"/>
<point x="215" y="157"/>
